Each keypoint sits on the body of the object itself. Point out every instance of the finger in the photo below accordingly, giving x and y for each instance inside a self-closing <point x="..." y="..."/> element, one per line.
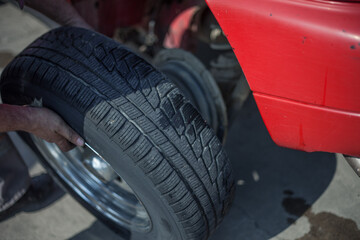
<point x="65" y="145"/>
<point x="69" y="134"/>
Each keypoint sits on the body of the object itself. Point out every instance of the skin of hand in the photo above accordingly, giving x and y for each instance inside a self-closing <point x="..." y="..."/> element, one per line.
<point x="41" y="122"/>
<point x="56" y="131"/>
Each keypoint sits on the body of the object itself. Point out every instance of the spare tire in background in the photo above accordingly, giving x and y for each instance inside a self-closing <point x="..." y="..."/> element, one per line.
<point x="197" y="84"/>
<point x="163" y="175"/>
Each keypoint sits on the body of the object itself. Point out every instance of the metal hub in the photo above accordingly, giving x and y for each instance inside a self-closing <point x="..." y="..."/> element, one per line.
<point x="96" y="182"/>
<point x="98" y="166"/>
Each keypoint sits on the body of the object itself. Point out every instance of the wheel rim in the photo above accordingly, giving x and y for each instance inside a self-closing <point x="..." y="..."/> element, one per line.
<point x="95" y="181"/>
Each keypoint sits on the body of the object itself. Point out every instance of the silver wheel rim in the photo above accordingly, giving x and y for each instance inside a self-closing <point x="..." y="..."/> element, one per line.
<point x="96" y="182"/>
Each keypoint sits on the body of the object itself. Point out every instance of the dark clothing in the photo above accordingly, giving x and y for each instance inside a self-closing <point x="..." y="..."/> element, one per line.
<point x="14" y="175"/>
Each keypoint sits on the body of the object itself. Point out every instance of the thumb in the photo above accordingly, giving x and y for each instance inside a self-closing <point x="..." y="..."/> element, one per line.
<point x="70" y="135"/>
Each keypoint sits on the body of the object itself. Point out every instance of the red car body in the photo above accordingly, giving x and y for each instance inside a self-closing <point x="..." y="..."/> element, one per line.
<point x="301" y="59"/>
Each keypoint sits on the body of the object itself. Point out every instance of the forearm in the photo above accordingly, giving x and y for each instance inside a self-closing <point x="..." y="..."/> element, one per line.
<point x="41" y="122"/>
<point x="58" y="10"/>
<point x="14" y="118"/>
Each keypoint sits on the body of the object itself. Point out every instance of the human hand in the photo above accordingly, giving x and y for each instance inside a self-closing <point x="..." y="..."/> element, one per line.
<point x="49" y="126"/>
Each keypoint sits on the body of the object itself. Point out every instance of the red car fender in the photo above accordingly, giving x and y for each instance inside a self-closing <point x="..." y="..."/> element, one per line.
<point x="302" y="61"/>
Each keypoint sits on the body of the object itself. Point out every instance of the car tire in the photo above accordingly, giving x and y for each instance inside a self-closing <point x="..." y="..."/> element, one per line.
<point x="136" y="120"/>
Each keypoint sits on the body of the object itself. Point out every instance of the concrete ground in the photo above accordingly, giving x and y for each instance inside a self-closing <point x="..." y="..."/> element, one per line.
<point x="281" y="193"/>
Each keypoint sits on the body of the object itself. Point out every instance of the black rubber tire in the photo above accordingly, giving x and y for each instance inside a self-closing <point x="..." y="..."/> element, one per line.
<point x="198" y="85"/>
<point x="158" y="142"/>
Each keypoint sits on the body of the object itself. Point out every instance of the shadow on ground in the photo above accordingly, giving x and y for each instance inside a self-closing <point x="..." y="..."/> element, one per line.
<point x="266" y="176"/>
<point x="42" y="193"/>
<point x="96" y="231"/>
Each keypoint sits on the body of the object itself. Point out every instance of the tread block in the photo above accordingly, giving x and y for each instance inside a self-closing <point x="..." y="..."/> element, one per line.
<point x="178" y="123"/>
<point x="167" y="107"/>
<point x="199" y="124"/>
<point x="109" y="62"/>
<point x="188" y="212"/>
<point x="161" y="120"/>
<point x="145" y="123"/>
<point x="99" y="52"/>
<point x="147" y="108"/>
<point x="176" y="98"/>
<point x="174" y="196"/>
<point x="72" y="89"/>
<point x="188" y="112"/>
<point x="112" y="122"/>
<point x="99" y="110"/>
<point x="187" y="172"/>
<point x="40" y="72"/>
<point x="143" y="69"/>
<point x="168" y="148"/>
<point x="205" y="136"/>
<point x="85" y="47"/>
<point x="103" y="89"/>
<point x="169" y="183"/>
<point x="137" y="98"/>
<point x="207" y="157"/>
<point x="50" y="75"/>
<point x="160" y="173"/>
<point x="140" y="148"/>
<point x="190" y="134"/>
<point x="127" y="135"/>
<point x="196" y="182"/>
<point x="155" y="78"/>
<point x="215" y="146"/>
<point x="60" y="82"/>
<point x="25" y="66"/>
<point x="65" y="63"/>
<point x="131" y="110"/>
<point x="122" y="67"/>
<point x="153" y="98"/>
<point x="132" y="60"/>
<point x="178" y="160"/>
<point x="164" y="87"/>
<point x="158" y="137"/>
<point x="77" y="69"/>
<point x="145" y="87"/>
<point x="220" y="160"/>
<point x="118" y="100"/>
<point x="196" y="146"/>
<point x="150" y="161"/>
<point x="119" y="54"/>
<point x="88" y="77"/>
<point x="196" y="220"/>
<point x="84" y="99"/>
<point x="32" y="73"/>
<point x="213" y="173"/>
<point x="183" y="203"/>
